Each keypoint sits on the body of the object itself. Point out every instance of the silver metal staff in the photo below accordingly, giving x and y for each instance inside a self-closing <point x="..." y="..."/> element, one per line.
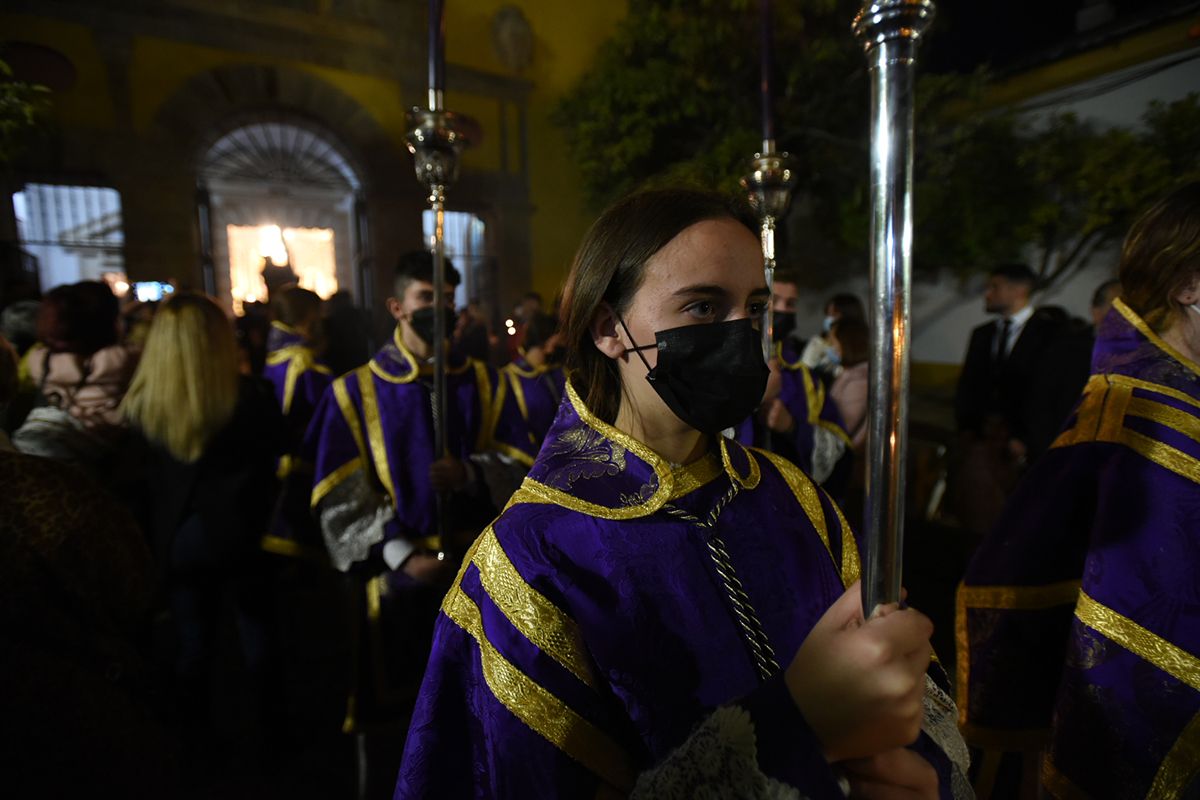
<point x="890" y="31"/>
<point x="770" y="180"/>
<point x="436" y="138"/>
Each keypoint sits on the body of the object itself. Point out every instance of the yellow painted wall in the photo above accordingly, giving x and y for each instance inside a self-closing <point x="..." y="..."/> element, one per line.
<point x="87" y="104"/>
<point x="566" y="36"/>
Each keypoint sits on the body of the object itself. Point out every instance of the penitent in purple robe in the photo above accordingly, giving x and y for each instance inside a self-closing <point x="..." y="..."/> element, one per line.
<point x="537" y="392"/>
<point x="590" y="629"/>
<point x="299" y="379"/>
<point x="1079" y="618"/>
<point x="818" y="444"/>
<point x="371" y="443"/>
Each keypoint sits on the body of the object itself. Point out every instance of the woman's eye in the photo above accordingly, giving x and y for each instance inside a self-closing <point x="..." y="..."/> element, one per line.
<point x="757" y="309"/>
<point x="701" y="309"/>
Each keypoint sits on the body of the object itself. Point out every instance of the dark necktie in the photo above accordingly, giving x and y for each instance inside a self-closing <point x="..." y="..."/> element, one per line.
<point x="1002" y="347"/>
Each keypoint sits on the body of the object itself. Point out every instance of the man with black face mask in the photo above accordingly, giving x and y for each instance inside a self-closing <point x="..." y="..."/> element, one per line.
<point x="379" y="486"/>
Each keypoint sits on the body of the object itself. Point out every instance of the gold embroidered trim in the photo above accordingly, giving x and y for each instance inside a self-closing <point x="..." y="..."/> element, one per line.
<point x="1137" y="383"/>
<point x="371" y="414"/>
<point x="1011" y="598"/>
<point x="535" y="706"/>
<point x="661" y="468"/>
<point x="1163" y="454"/>
<point x="1168" y="416"/>
<point x="489" y="411"/>
<point x="1145" y="644"/>
<point x="690" y="477"/>
<point x="342" y="395"/>
<point x="518" y="391"/>
<point x="807" y="495"/>
<point x="1133" y="319"/>
<point x="1180" y="766"/>
<point x="330" y="481"/>
<point x="1058" y="785"/>
<point x="1020" y="598"/>
<point x="851" y="565"/>
<point x="537" y="619"/>
<point x="413" y="368"/>
<point x="283" y="326"/>
<point x="752" y="477"/>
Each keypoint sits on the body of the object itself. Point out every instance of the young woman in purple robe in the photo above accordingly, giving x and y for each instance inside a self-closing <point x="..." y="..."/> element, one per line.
<point x="660" y="611"/>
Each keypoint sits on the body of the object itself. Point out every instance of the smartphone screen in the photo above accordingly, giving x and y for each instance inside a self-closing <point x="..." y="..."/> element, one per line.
<point x="151" y="291"/>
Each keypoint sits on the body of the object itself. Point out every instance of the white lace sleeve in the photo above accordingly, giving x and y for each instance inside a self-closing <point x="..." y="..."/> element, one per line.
<point x="827" y="449"/>
<point x="719" y="760"/>
<point x="352" y="517"/>
<point x="941" y="723"/>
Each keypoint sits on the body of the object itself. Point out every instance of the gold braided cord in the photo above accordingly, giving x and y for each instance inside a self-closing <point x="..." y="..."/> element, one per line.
<point x="375" y="437"/>
<point x="535" y="706"/>
<point x="1180" y="767"/>
<point x="753" y="474"/>
<point x="1145" y="644"/>
<point x="544" y="624"/>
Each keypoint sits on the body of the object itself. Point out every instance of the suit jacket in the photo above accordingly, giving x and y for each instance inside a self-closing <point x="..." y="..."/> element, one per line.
<point x="986" y="389"/>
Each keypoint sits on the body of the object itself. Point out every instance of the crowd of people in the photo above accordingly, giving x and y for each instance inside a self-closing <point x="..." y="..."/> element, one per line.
<point x="619" y="557"/>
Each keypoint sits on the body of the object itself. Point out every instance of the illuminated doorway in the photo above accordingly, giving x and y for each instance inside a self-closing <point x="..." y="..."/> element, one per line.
<point x="308" y="251"/>
<point x="283" y="192"/>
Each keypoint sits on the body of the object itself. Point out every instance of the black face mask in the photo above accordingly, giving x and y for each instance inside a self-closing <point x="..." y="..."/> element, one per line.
<point x="785" y="323"/>
<point x="422" y="323"/>
<point x="712" y="376"/>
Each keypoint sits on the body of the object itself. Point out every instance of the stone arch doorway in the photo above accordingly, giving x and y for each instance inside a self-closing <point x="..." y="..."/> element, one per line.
<point x="282" y="188"/>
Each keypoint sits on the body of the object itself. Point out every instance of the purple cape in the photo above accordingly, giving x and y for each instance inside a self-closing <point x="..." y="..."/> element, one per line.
<point x="1079" y="617"/>
<point x="299" y="379"/>
<point x="589" y="630"/>
<point x="537" y="393"/>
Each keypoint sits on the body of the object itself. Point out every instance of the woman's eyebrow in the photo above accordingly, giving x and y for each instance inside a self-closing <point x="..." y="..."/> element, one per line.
<point x="702" y="289"/>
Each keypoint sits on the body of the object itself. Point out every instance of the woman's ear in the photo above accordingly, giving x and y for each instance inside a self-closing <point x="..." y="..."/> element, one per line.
<point x="605" y="332"/>
<point x="1189" y="293"/>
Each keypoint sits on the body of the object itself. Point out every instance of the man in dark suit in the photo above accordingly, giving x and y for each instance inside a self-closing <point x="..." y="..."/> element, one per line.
<point x="993" y="397"/>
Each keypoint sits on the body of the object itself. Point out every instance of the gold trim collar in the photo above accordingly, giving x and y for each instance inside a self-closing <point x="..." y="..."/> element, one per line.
<point x="1137" y="322"/>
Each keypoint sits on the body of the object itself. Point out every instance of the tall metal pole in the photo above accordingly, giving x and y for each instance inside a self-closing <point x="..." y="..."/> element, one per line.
<point x="890" y="31"/>
<point x="770" y="180"/>
<point x="436" y="138"/>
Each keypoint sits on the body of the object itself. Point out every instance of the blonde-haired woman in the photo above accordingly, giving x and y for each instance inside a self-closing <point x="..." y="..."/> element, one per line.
<point x="214" y="437"/>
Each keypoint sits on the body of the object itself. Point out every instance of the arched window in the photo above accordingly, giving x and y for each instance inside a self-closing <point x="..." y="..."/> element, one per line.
<point x="281" y="205"/>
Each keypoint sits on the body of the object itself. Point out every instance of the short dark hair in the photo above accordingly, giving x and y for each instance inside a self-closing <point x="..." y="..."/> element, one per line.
<point x="539" y="329"/>
<point x="533" y="296"/>
<point x="294" y="305"/>
<point x="1014" y="273"/>
<point x="79" y="318"/>
<point x="418" y="266"/>
<point x="609" y="268"/>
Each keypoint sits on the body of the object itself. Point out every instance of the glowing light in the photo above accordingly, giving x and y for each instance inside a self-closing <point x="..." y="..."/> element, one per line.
<point x="512" y="331"/>
<point x="508" y="323"/>
<point x="309" y="251"/>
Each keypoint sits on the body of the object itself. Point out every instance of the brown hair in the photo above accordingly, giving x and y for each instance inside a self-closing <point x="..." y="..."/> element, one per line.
<point x="78" y="318"/>
<point x="609" y="268"/>
<point x="1161" y="257"/>
<point x="852" y="338"/>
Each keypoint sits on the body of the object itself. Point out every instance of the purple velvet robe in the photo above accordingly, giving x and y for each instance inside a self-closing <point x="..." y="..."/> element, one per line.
<point x="537" y="392"/>
<point x="1079" y="617"/>
<point x="589" y="632"/>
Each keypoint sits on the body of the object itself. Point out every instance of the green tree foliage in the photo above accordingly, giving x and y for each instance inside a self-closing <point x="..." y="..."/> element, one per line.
<point x="673" y="98"/>
<point x="22" y="108"/>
